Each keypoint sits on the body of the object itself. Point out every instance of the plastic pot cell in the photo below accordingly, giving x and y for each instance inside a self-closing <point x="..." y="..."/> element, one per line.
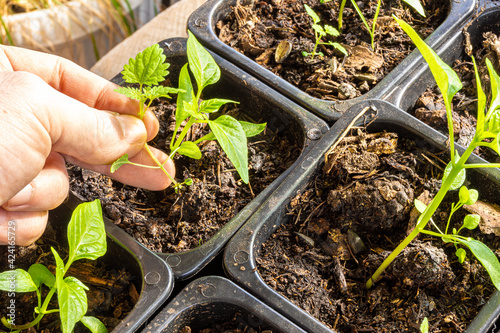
<point x="406" y="93"/>
<point x="257" y="101"/>
<point x="128" y="282"/>
<point x="217" y="303"/>
<point x="203" y="24"/>
<point x="244" y="251"/>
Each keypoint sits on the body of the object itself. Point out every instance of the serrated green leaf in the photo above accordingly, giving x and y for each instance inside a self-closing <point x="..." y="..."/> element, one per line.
<point x="331" y="31"/>
<point x="446" y="79"/>
<point x="189" y="149"/>
<point x="119" y="163"/>
<point x="94" y="324"/>
<point x="415" y="4"/>
<point x="487" y="258"/>
<point x="41" y="275"/>
<point x="461" y="255"/>
<point x="214" y="104"/>
<point x="420" y="206"/>
<point x="201" y="63"/>
<point x="232" y="139"/>
<point x="312" y="14"/>
<point x="17" y="280"/>
<point x="471" y="221"/>
<point x="186" y="96"/>
<point x="72" y="301"/>
<point x="147" y="68"/>
<point x="319" y="30"/>
<point x="459" y="179"/>
<point x="159" y="91"/>
<point x="86" y="233"/>
<point x="130" y="92"/>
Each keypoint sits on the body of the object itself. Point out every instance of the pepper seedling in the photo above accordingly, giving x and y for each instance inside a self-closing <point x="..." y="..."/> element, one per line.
<point x="320" y="32"/>
<point x="87" y="240"/>
<point x="230" y="133"/>
<point x="487" y="135"/>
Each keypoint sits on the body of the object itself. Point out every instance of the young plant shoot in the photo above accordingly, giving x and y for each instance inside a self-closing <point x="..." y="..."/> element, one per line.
<point x="230" y="133"/>
<point x="488" y="128"/>
<point x="320" y="32"/>
<point x="87" y="240"/>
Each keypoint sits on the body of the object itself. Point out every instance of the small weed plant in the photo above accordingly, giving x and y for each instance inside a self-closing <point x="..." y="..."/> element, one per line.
<point x="87" y="240"/>
<point x="487" y="135"/>
<point x="149" y="68"/>
<point x="320" y="32"/>
<point x="415" y="4"/>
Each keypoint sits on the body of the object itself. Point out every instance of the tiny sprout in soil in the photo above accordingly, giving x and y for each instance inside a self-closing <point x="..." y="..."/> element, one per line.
<point x="415" y="4"/>
<point x="487" y="134"/>
<point x="149" y="68"/>
<point x="320" y="32"/>
<point x="87" y="240"/>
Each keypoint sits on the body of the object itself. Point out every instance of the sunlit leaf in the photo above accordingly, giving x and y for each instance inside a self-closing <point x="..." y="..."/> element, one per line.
<point x="17" y="280"/>
<point x="201" y="63"/>
<point x="148" y="67"/>
<point x="41" y="275"/>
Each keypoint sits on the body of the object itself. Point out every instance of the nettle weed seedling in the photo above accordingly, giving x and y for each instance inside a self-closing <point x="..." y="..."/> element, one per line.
<point x="87" y="240"/>
<point x="415" y="4"/>
<point x="230" y="133"/>
<point x="487" y="135"/>
<point x="320" y="32"/>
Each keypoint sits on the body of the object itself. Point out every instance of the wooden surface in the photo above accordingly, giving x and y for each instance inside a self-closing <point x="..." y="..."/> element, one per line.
<point x="169" y="23"/>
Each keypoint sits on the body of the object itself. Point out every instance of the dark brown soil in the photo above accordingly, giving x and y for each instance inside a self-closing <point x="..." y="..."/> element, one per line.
<point x="430" y="107"/>
<point x="349" y="219"/>
<point x="256" y="28"/>
<point x="235" y="325"/>
<point x="111" y="295"/>
<point x="168" y="222"/>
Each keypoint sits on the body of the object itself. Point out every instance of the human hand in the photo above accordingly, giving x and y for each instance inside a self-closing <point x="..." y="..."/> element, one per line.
<point x="53" y="111"/>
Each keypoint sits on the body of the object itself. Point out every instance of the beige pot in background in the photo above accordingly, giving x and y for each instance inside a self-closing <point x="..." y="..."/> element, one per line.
<point x="80" y="30"/>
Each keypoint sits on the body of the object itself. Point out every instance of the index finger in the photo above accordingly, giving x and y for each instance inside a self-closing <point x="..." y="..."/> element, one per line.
<point x="73" y="81"/>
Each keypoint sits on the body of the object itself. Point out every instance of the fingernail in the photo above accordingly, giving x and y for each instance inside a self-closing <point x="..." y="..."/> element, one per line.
<point x="133" y="129"/>
<point x="21" y="198"/>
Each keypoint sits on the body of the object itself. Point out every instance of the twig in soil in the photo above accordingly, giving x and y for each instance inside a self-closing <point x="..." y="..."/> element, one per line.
<point x="339" y="274"/>
<point x="310" y="215"/>
<point x="432" y="161"/>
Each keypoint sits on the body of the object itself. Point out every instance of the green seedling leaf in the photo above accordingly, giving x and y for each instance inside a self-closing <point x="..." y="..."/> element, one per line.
<point x="94" y="324"/>
<point x="312" y="14"/>
<point x="214" y="104"/>
<point x="461" y="255"/>
<point x="72" y="301"/>
<point x="473" y="196"/>
<point x="232" y="139"/>
<point x="415" y="4"/>
<point x="201" y="63"/>
<point x="319" y="30"/>
<point x="420" y="206"/>
<point x="331" y="31"/>
<point x="186" y="97"/>
<point x="446" y="79"/>
<point x="130" y="92"/>
<point x="487" y="258"/>
<point x="119" y="163"/>
<point x="41" y="275"/>
<point x="189" y="149"/>
<point x="459" y="179"/>
<point x="17" y="280"/>
<point x="86" y="234"/>
<point x="191" y="110"/>
<point x="463" y="194"/>
<point x="471" y="221"/>
<point x="159" y="91"/>
<point x="147" y="68"/>
<point x="481" y="102"/>
<point x="495" y="83"/>
<point x="339" y="47"/>
<point x="188" y="181"/>
<point x="424" y="326"/>
<point x="252" y="129"/>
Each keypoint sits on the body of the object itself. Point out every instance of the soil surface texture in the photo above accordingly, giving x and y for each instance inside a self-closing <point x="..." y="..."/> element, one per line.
<point x="275" y="33"/>
<point x="348" y="220"/>
<point x="111" y="295"/>
<point x="168" y="222"/>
